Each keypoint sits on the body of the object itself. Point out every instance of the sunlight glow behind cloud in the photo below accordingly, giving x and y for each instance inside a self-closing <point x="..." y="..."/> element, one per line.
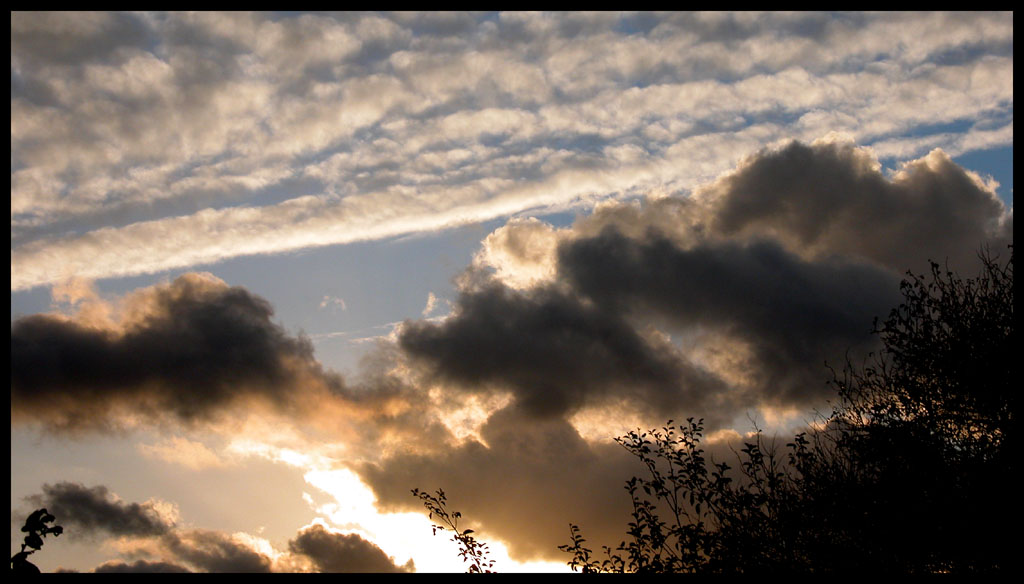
<point x="638" y="216"/>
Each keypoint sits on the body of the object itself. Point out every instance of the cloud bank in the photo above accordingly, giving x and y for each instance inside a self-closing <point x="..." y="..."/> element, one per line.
<point x="185" y="350"/>
<point x="142" y="142"/>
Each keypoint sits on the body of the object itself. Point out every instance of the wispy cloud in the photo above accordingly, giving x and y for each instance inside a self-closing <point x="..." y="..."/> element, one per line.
<point x="145" y="142"/>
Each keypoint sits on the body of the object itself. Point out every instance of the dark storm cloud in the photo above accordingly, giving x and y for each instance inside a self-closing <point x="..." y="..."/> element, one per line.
<point x="140" y="567"/>
<point x="195" y="346"/>
<point x="832" y="198"/>
<point x="212" y="551"/>
<point x="90" y="510"/>
<point x="793" y="314"/>
<point x="554" y="352"/>
<point x="339" y="552"/>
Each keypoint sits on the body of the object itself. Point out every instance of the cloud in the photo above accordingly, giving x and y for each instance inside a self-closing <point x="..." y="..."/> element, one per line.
<point x="333" y="302"/>
<point x="521" y="252"/>
<point x="552" y="351"/>
<point x="522" y="484"/>
<point x="140" y="567"/>
<point x="791" y="315"/>
<point x="90" y="510"/>
<point x="96" y="512"/>
<point x="825" y="198"/>
<point x="185" y="350"/>
<point x="431" y="304"/>
<point x="339" y="552"/>
<point x="150" y="529"/>
<point x="146" y="142"/>
<point x="213" y="551"/>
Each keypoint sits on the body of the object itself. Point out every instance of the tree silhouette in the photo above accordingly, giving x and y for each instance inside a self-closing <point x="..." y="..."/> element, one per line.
<point x="913" y="471"/>
<point x="929" y="428"/>
<point x="36" y="529"/>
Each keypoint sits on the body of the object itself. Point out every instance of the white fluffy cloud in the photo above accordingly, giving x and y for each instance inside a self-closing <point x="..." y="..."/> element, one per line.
<point x="145" y="142"/>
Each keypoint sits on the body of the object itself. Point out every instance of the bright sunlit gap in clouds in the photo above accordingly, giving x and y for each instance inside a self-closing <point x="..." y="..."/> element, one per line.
<point x="403" y="536"/>
<point x="275" y="270"/>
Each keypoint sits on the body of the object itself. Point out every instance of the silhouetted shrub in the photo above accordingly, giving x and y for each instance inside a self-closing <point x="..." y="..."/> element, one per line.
<point x="35" y="529"/>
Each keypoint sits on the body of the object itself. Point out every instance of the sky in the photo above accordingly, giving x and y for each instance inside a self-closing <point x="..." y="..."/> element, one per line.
<point x="272" y="271"/>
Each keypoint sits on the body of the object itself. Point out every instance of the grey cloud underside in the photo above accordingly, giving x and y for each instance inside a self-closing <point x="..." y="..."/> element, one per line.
<point x="746" y="260"/>
<point x="338" y="552"/>
<point x="198" y="350"/>
<point x="553" y="351"/>
<point x="87" y="511"/>
<point x="212" y="551"/>
<point x="94" y="511"/>
<point x="140" y="567"/>
<point x="795" y="315"/>
<point x="831" y="199"/>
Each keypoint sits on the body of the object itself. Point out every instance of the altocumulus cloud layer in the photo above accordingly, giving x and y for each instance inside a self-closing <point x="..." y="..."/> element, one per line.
<point x="143" y="142"/>
<point x="152" y="539"/>
<point x="714" y="305"/>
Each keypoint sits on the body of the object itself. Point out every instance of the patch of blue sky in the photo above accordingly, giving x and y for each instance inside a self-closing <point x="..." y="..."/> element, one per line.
<point x="995" y="162"/>
<point x="29" y="302"/>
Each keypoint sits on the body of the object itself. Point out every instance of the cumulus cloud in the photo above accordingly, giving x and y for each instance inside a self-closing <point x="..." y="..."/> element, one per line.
<point x="521" y="252"/>
<point x="212" y="551"/>
<point x="186" y="350"/>
<point x="521" y="483"/>
<point x="764" y="276"/>
<point x="552" y="351"/>
<point x="791" y="315"/>
<point x="90" y="510"/>
<point x="169" y="547"/>
<point x="195" y="353"/>
<point x="755" y="283"/>
<point x="831" y="197"/>
<point x="339" y="552"/>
